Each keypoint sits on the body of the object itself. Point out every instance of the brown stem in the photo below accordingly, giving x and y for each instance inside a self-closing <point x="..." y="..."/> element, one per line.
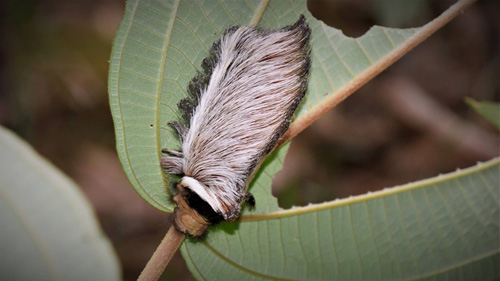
<point x="162" y="256"/>
<point x="343" y="92"/>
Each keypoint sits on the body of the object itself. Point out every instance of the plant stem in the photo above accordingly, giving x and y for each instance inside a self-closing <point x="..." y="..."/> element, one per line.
<point x="162" y="256"/>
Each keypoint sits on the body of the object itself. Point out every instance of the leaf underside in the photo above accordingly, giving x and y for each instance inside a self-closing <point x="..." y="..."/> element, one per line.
<point x="444" y="228"/>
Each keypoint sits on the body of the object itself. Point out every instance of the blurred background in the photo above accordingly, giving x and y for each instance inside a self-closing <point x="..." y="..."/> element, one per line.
<point x="409" y="123"/>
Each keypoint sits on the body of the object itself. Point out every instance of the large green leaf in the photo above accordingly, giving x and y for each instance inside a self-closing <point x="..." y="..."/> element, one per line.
<point x="48" y="230"/>
<point x="443" y="228"/>
<point x="160" y="45"/>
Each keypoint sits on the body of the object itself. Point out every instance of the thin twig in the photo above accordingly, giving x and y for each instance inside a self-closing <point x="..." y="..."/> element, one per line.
<point x="162" y="256"/>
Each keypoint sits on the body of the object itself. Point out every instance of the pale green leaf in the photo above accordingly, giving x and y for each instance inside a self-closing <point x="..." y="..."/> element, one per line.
<point x="443" y="228"/>
<point x="160" y="45"/>
<point x="489" y="110"/>
<point x="48" y="229"/>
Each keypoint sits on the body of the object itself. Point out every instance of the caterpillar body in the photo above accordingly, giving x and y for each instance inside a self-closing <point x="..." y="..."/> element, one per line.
<point x="237" y="109"/>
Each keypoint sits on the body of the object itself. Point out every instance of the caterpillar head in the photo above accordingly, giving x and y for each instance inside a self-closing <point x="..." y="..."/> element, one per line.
<point x="186" y="219"/>
<point x="192" y="215"/>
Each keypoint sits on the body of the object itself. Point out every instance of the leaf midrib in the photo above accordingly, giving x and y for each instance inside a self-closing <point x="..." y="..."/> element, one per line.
<point x="157" y="103"/>
<point x="168" y="35"/>
<point x="118" y="95"/>
<point x="374" y="195"/>
<point x="259" y="12"/>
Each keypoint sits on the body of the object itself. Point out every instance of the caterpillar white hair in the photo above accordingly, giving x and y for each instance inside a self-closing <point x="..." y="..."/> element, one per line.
<point x="238" y="108"/>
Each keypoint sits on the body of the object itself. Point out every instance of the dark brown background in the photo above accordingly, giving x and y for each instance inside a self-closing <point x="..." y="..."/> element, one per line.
<point x="409" y="123"/>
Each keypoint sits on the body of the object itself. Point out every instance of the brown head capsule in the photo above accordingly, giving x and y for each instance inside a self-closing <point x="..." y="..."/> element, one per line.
<point x="186" y="219"/>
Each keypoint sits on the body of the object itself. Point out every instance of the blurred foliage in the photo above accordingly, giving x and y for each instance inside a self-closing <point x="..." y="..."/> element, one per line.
<point x="49" y="230"/>
<point x="489" y="110"/>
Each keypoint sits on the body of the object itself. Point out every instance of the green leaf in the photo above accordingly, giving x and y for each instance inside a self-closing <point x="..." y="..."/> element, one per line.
<point x="48" y="229"/>
<point x="160" y="45"/>
<point x="443" y="228"/>
<point x="489" y="110"/>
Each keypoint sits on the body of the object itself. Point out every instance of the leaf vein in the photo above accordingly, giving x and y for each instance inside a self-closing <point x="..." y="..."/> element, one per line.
<point x="479" y="218"/>
<point x="405" y="228"/>
<point x="336" y="52"/>
<point x="354" y="236"/>
<point x="149" y="29"/>
<point x="241" y="267"/>
<point x="389" y="38"/>
<point x="144" y="45"/>
<point x="132" y="171"/>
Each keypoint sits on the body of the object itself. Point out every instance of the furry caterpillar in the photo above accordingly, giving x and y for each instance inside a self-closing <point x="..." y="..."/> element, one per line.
<point x="238" y="108"/>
